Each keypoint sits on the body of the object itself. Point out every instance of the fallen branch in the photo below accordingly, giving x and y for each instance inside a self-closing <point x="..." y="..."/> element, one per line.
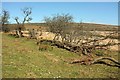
<point x="107" y="58"/>
<point x="98" y="60"/>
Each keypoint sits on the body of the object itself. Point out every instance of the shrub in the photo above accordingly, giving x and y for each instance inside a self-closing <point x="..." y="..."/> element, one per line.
<point x="5" y="29"/>
<point x="44" y="47"/>
<point x="99" y="53"/>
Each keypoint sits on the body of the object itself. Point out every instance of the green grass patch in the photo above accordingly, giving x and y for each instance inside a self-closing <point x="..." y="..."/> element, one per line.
<point x="22" y="58"/>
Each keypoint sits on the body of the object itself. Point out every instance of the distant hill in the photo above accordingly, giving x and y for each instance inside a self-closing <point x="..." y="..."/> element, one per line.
<point x="86" y="26"/>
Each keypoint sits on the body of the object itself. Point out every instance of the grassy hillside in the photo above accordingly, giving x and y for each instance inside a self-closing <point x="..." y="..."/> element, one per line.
<point x="21" y="58"/>
<point x="86" y="26"/>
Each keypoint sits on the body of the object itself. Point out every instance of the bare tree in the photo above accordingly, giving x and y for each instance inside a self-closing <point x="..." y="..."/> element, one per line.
<point x="4" y="19"/>
<point x="58" y="23"/>
<point x="27" y="12"/>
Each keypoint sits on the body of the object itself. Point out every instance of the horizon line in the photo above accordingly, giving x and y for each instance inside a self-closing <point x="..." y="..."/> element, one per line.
<point x="74" y="22"/>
